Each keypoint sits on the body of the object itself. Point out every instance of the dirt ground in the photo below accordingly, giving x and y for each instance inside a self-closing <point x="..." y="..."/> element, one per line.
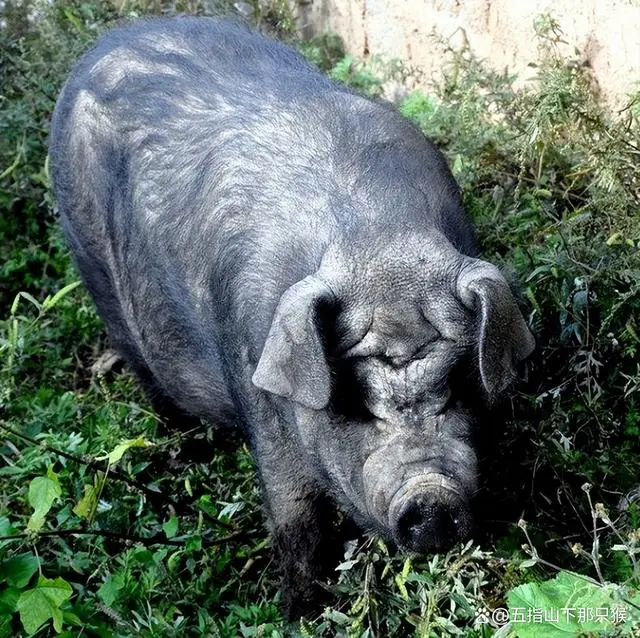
<point x="603" y="35"/>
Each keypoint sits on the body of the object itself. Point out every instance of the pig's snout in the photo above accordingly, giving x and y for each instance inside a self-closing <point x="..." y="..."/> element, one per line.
<point x="430" y="514"/>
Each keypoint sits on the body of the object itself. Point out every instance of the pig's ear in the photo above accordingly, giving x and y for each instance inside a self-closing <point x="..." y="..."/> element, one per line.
<point x="504" y="339"/>
<point x="293" y="363"/>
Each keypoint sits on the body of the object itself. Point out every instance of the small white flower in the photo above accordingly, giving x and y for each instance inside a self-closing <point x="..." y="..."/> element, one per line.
<point x="34" y="15"/>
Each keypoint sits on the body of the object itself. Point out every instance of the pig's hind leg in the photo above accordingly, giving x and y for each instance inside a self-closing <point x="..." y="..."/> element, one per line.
<point x="199" y="440"/>
<point x="122" y="343"/>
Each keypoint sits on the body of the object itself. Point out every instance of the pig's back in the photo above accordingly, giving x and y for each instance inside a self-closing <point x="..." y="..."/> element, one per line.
<point x="162" y="144"/>
<point x="186" y="130"/>
<point x="203" y="169"/>
<point x="184" y="155"/>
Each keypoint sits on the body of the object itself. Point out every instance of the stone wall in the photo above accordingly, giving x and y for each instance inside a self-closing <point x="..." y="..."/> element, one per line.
<point x="606" y="33"/>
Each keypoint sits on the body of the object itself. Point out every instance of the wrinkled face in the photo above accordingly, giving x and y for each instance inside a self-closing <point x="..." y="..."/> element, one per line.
<point x="368" y="362"/>
<point x="419" y="469"/>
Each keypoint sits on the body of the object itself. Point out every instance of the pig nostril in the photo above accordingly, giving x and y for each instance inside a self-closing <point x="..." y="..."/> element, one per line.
<point x="443" y="525"/>
<point x="411" y="523"/>
<point x="424" y="526"/>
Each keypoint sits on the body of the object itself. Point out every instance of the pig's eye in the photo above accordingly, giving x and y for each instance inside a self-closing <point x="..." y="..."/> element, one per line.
<point x="393" y="362"/>
<point x="424" y="350"/>
<point x="347" y="398"/>
<point x="402" y="360"/>
<point x="351" y="405"/>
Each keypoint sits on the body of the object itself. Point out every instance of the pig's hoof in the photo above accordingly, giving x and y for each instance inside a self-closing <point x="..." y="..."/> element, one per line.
<point x="105" y="363"/>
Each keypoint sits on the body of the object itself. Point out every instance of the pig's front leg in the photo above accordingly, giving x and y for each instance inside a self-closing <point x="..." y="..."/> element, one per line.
<point x="302" y="521"/>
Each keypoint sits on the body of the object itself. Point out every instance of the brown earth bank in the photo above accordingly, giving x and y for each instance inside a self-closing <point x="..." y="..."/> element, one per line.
<point x="603" y="35"/>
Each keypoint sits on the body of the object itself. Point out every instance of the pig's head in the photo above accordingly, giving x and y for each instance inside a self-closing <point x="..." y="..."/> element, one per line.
<point x="366" y="350"/>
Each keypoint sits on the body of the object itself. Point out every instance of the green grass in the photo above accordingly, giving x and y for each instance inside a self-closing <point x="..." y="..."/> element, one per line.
<point x="173" y="545"/>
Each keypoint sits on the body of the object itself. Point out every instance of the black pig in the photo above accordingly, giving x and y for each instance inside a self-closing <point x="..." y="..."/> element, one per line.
<point x="270" y="249"/>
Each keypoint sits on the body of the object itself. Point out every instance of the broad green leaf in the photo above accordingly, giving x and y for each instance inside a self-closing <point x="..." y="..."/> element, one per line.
<point x="18" y="570"/>
<point x="41" y="603"/>
<point x="110" y="589"/>
<point x="6" y="529"/>
<point x="9" y="600"/>
<point x="565" y="607"/>
<point x="43" y="491"/>
<point x="338" y="617"/>
<point x="143" y="556"/>
<point x="230" y="509"/>
<point x="347" y="565"/>
<point x="160" y="554"/>
<point x="171" y="527"/>
<point x="194" y="544"/>
<point x="73" y="619"/>
<point x="118" y="452"/>
<point x="173" y="562"/>
<point x="6" y="628"/>
<point x="86" y="506"/>
<point x="206" y="504"/>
